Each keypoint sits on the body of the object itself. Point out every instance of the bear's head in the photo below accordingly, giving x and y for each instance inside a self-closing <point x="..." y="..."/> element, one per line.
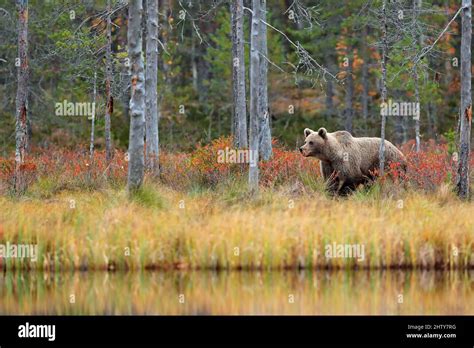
<point x="315" y="144"/>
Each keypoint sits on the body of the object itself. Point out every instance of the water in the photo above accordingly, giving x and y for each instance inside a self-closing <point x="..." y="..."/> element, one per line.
<point x="201" y="292"/>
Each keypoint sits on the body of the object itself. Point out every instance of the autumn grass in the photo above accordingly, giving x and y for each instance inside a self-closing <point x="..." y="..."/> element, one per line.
<point x="225" y="228"/>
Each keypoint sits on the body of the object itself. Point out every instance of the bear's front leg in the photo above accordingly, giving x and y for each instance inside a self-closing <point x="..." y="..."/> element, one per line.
<point x="330" y="177"/>
<point x="339" y="187"/>
<point x="341" y="180"/>
<point x="335" y="184"/>
<point x="332" y="186"/>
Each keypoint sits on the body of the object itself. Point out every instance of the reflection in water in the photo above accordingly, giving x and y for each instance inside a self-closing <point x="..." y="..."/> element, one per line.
<point x="199" y="292"/>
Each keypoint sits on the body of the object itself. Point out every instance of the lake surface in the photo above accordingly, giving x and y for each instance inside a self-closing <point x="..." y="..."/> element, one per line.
<point x="205" y="292"/>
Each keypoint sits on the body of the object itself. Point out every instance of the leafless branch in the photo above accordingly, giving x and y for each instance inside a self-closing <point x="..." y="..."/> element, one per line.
<point x="427" y="49"/>
<point x="305" y="60"/>
<point x="303" y="14"/>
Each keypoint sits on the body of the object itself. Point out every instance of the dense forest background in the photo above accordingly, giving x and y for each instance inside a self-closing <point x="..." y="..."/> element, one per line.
<point x="67" y="47"/>
<point x="130" y="204"/>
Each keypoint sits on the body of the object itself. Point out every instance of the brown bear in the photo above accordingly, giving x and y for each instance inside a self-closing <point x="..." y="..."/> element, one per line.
<point x="347" y="161"/>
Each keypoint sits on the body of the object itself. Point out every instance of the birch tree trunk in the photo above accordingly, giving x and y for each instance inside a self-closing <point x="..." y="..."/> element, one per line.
<point x="384" y="87"/>
<point x="194" y="69"/>
<point x="125" y="71"/>
<point x="365" y="76"/>
<point x="254" y="95"/>
<point x="109" y="106"/>
<point x="433" y="119"/>
<point x="417" y="6"/>
<point x="265" y="135"/>
<point x="349" y="112"/>
<point x="417" y="119"/>
<point x="21" y="127"/>
<point x="329" y="103"/>
<point x="91" y="146"/>
<point x="462" y="185"/>
<point x="399" y="130"/>
<point x="137" y="101"/>
<point x="238" y="74"/>
<point x="151" y="81"/>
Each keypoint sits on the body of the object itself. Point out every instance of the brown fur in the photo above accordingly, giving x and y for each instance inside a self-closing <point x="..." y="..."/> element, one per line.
<point x="348" y="161"/>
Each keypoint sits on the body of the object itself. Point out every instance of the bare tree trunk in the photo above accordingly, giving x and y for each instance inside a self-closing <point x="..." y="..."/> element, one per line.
<point x="330" y="58"/>
<point x="399" y="129"/>
<point x="91" y="147"/>
<point x="137" y="101"/>
<point x="254" y="89"/>
<point x="21" y="129"/>
<point x="417" y="119"/>
<point x="203" y="67"/>
<point x="151" y="81"/>
<point x="432" y="120"/>
<point x="462" y="185"/>
<point x="125" y="71"/>
<point x="384" y="87"/>
<point x="416" y="7"/>
<point x="399" y="122"/>
<point x="329" y="102"/>
<point x="238" y="74"/>
<point x="405" y="127"/>
<point x="265" y="136"/>
<point x="349" y="112"/>
<point x="108" y="86"/>
<point x="194" y="68"/>
<point x="365" y="76"/>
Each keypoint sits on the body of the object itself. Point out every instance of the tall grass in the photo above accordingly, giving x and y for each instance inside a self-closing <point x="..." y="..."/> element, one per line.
<point x="225" y="229"/>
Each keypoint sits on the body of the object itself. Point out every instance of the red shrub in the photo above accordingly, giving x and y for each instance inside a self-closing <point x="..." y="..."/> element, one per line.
<point x="285" y="166"/>
<point x="426" y="170"/>
<point x="430" y="167"/>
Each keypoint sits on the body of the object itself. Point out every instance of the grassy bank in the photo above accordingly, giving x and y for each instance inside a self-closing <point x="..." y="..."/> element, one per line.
<point x="223" y="228"/>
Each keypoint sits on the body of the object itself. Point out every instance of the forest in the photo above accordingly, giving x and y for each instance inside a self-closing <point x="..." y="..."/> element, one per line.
<point x="170" y="135"/>
<point x="341" y="88"/>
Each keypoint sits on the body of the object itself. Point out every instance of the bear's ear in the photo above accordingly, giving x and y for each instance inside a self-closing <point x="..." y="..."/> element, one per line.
<point x="307" y="132"/>
<point x="322" y="133"/>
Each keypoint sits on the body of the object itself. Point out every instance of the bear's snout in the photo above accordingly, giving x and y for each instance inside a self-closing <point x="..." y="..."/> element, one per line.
<point x="303" y="151"/>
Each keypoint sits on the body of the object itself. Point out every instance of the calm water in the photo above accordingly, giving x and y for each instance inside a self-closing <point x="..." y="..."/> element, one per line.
<point x="200" y="292"/>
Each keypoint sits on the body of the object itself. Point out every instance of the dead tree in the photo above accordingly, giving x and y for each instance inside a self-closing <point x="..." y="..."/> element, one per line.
<point x="416" y="8"/>
<point x="238" y="74"/>
<point x="108" y="86"/>
<point x="137" y="102"/>
<point x="265" y="136"/>
<point x="151" y="93"/>
<point x="254" y="93"/>
<point x="349" y="96"/>
<point x="384" y="85"/>
<point x="462" y="185"/>
<point x="365" y="75"/>
<point x="91" y="146"/>
<point x="21" y="129"/>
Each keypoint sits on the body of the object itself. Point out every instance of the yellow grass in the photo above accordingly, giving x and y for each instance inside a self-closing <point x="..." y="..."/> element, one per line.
<point x="165" y="229"/>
